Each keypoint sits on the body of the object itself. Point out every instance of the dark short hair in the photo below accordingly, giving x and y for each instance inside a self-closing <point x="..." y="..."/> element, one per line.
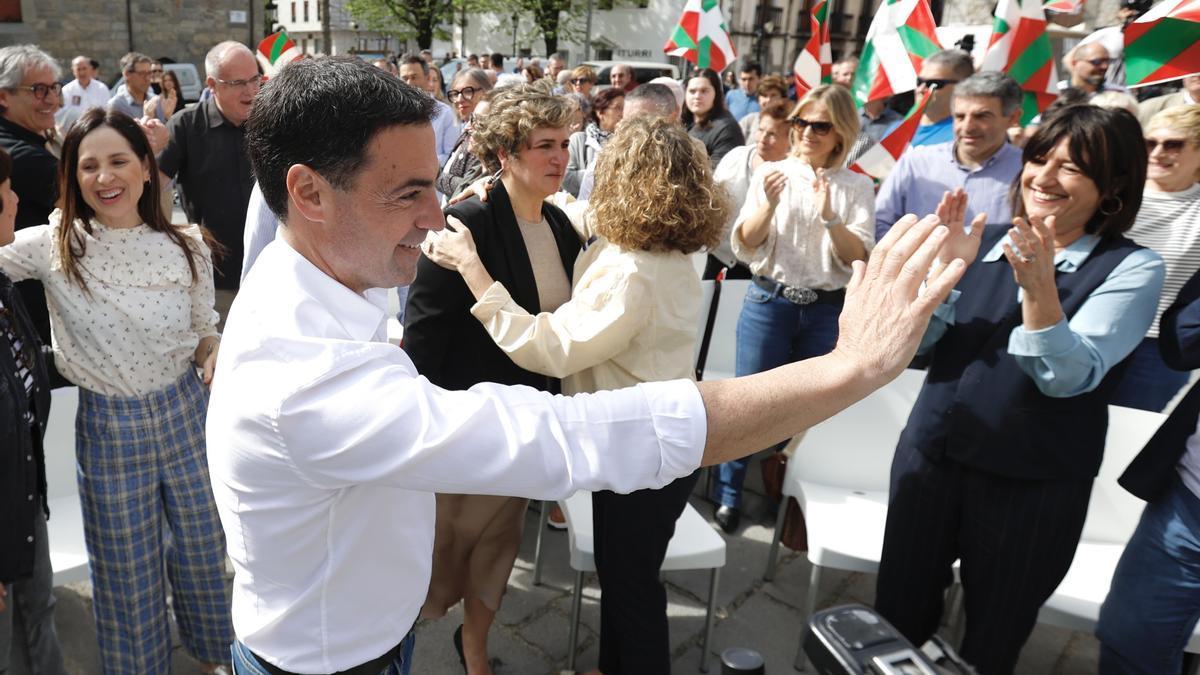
<point x="751" y="67"/>
<point x="1108" y="147"/>
<point x="718" y="107"/>
<point x="779" y="109"/>
<point x="497" y="59"/>
<point x="413" y="60"/>
<point x="302" y="116"/>
<point x="129" y="61"/>
<point x="602" y="101"/>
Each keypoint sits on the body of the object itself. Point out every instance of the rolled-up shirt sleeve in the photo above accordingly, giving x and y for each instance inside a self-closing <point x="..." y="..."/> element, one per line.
<point x="1072" y="357"/>
<point x="490" y="439"/>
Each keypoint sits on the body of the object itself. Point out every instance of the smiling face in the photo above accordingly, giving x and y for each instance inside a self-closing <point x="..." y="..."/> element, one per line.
<point x="619" y="77"/>
<point x="540" y="166"/>
<point x="111" y="177"/>
<point x="810" y="145"/>
<point x="1175" y="161"/>
<point x="25" y="109"/>
<point x="980" y="126"/>
<point x="81" y="68"/>
<point x="373" y="238"/>
<point x="699" y="96"/>
<point x="843" y="73"/>
<point x="8" y="212"/>
<point x="1090" y="66"/>
<point x="1055" y="186"/>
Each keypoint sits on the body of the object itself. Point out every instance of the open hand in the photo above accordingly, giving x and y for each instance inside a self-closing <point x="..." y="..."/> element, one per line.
<point x="156" y="133"/>
<point x="1031" y="254"/>
<point x="479" y="189"/>
<point x="821" y="196"/>
<point x="773" y="184"/>
<point x="952" y="212"/>
<point x="452" y="247"/>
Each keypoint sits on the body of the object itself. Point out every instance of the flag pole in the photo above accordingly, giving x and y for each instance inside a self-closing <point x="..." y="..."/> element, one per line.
<point x="587" y="32"/>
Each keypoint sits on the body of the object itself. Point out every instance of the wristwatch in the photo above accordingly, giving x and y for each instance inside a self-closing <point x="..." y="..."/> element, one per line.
<point x="832" y="223"/>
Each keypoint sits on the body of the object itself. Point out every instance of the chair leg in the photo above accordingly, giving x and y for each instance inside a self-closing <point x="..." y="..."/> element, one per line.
<point x="543" y="516"/>
<point x="576" y="610"/>
<point x="708" y="619"/>
<point x="773" y="555"/>
<point x="814" y="589"/>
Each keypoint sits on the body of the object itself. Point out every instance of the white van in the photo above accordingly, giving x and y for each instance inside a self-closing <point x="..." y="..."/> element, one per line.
<point x="643" y="71"/>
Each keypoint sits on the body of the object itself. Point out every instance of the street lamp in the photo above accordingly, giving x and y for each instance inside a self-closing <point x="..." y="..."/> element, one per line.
<point x="515" y="19"/>
<point x="270" y="15"/>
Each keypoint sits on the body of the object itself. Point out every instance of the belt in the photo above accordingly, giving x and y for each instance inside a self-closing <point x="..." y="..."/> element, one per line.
<point x="798" y="295"/>
<point x="373" y="667"/>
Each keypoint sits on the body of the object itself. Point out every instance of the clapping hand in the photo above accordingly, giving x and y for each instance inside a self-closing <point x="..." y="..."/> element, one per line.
<point x="952" y="212"/>
<point x="1031" y="254"/>
<point x="773" y="184"/>
<point x="156" y="133"/>
<point x="821" y="196"/>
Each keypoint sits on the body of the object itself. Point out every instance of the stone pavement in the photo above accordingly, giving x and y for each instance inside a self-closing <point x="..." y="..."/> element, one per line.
<point x="530" y="634"/>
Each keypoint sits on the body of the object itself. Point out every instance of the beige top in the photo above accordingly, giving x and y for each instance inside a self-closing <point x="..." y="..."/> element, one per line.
<point x="135" y="329"/>
<point x="554" y="288"/>
<point x="632" y="318"/>
<point x="798" y="250"/>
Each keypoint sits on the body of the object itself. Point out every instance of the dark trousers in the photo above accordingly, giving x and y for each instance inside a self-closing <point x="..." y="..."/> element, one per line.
<point x="632" y="532"/>
<point x="1015" y="540"/>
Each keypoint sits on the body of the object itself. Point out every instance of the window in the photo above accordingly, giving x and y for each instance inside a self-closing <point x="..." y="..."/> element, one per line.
<point x="293" y="11"/>
<point x="305" y="11"/>
<point x="318" y="10"/>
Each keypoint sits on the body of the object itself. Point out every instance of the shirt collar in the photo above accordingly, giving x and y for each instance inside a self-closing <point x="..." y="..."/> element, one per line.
<point x="21" y="132"/>
<point x="213" y="113"/>
<point x="363" y="317"/>
<point x="1068" y="260"/>
<point x="997" y="156"/>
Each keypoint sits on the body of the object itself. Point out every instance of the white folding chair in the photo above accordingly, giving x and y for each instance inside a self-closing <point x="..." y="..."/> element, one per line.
<point x="695" y="546"/>
<point x="839" y="474"/>
<point x="68" y="552"/>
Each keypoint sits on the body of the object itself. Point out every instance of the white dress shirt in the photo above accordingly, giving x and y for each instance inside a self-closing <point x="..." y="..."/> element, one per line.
<point x="77" y="99"/>
<point x="325" y="448"/>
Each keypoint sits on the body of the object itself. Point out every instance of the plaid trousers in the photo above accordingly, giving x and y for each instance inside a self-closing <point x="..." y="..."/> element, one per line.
<point x="148" y="505"/>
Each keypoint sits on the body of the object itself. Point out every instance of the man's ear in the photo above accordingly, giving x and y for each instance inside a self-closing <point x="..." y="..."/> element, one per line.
<point x="309" y="193"/>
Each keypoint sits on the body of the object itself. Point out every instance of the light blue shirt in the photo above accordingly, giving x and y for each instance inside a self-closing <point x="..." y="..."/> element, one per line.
<point x="445" y="131"/>
<point x="1071" y="358"/>
<point x="740" y="104"/>
<point x="124" y="102"/>
<point x="930" y="134"/>
<point x="922" y="175"/>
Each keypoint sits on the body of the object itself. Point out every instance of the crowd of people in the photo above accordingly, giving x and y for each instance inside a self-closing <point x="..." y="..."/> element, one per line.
<point x="542" y="228"/>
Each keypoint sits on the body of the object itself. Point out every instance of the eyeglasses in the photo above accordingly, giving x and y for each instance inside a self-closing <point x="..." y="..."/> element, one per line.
<point x="467" y="93"/>
<point x="253" y="82"/>
<point x="580" y="80"/>
<point x="143" y="73"/>
<point x="1171" y="145"/>
<point x="1099" y="63"/>
<point x="819" y="128"/>
<point x="935" y="82"/>
<point x="40" y="91"/>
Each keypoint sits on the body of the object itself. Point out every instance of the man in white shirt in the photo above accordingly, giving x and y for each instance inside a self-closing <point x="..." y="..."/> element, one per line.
<point x="82" y="93"/>
<point x="325" y="445"/>
<point x="414" y="71"/>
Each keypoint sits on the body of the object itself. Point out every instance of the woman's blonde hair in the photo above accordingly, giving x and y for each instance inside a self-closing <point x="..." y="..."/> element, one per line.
<point x="655" y="190"/>
<point x="514" y="113"/>
<point x="842" y="114"/>
<point x="584" y="72"/>
<point x="1185" y="118"/>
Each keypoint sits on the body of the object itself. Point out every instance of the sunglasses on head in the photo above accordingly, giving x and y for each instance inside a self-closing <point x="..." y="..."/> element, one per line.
<point x="935" y="82"/>
<point x="820" y="128"/>
<point x="1172" y="145"/>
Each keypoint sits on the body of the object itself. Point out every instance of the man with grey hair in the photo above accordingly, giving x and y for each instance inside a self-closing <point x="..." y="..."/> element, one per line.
<point x="82" y="93"/>
<point x="131" y="99"/>
<point x="621" y="76"/>
<point x="979" y="160"/>
<point x="939" y="73"/>
<point x="207" y="155"/>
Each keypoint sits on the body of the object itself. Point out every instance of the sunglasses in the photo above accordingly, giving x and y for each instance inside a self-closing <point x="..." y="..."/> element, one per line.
<point x="819" y="128"/>
<point x="935" y="82"/>
<point x="580" y="80"/>
<point x="1098" y="63"/>
<point x="467" y="93"/>
<point x="1172" y="145"/>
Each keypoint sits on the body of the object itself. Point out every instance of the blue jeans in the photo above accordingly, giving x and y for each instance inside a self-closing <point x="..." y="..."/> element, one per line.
<point x="1154" y="602"/>
<point x="1148" y="383"/>
<point x="244" y="662"/>
<point x="771" y="332"/>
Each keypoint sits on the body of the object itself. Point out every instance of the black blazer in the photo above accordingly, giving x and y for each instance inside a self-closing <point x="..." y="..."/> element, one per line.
<point x="1152" y="472"/>
<point x="449" y="345"/>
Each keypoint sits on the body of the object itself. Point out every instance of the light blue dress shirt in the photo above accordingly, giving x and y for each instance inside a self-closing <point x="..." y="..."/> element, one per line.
<point x="445" y="131"/>
<point x="1071" y="358"/>
<point x="922" y="175"/>
<point x="740" y="104"/>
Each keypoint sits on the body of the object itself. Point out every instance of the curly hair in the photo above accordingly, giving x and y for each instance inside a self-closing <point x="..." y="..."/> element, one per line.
<point x="514" y="113"/>
<point x="676" y="206"/>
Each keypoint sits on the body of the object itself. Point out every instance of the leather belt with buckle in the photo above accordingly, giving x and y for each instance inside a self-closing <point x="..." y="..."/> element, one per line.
<point x="798" y="295"/>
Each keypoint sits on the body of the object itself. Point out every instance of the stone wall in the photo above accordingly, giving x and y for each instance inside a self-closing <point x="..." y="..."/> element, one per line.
<point x="183" y="30"/>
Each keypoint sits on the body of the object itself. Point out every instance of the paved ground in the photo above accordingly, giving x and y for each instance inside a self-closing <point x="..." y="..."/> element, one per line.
<point x="530" y="635"/>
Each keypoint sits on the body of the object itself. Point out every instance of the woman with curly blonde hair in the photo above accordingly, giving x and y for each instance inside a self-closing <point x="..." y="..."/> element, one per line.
<point x="531" y="247"/>
<point x="631" y="318"/>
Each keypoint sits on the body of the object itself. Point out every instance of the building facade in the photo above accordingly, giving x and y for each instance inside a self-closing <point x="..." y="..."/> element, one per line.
<point x="302" y="20"/>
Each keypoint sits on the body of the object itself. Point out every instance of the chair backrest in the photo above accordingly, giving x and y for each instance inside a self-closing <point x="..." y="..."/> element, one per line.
<point x="854" y="448"/>
<point x="722" y="349"/>
<point x="1113" y="513"/>
<point x="59" y="444"/>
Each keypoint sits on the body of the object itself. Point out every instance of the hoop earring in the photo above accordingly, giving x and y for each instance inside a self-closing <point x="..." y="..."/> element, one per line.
<point x="1113" y="211"/>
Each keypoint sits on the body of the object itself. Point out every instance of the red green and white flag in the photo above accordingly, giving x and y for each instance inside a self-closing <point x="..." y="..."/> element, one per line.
<point x="1064" y="6"/>
<point x="1163" y="44"/>
<point x="701" y="36"/>
<point x="814" y="65"/>
<point x="276" y="51"/>
<point x="878" y="161"/>
<point x="901" y="37"/>
<point x="1020" y="47"/>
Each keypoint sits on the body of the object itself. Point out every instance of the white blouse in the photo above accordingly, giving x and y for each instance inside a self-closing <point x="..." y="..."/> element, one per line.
<point x="798" y="250"/>
<point x="135" y="328"/>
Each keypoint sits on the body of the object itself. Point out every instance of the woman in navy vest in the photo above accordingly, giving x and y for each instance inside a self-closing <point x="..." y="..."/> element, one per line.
<point x="995" y="467"/>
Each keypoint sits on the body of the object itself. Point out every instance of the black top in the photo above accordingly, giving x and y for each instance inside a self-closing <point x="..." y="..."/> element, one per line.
<point x="979" y="409"/>
<point x="445" y="341"/>
<point x="35" y="180"/>
<point x="22" y="464"/>
<point x="1154" y="469"/>
<point x="208" y="156"/>
<point x="719" y="135"/>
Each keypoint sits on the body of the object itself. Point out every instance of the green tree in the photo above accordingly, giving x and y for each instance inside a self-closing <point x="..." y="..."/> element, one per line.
<point x="404" y="19"/>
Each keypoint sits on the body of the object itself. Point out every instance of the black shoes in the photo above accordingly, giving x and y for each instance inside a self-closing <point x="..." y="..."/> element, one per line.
<point x="728" y="518"/>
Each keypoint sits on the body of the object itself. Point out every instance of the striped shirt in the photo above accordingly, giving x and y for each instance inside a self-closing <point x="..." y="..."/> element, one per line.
<point x="1169" y="224"/>
<point x="24" y="372"/>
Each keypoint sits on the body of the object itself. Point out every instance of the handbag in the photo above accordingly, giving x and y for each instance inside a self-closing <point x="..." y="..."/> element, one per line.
<point x="795" y="532"/>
